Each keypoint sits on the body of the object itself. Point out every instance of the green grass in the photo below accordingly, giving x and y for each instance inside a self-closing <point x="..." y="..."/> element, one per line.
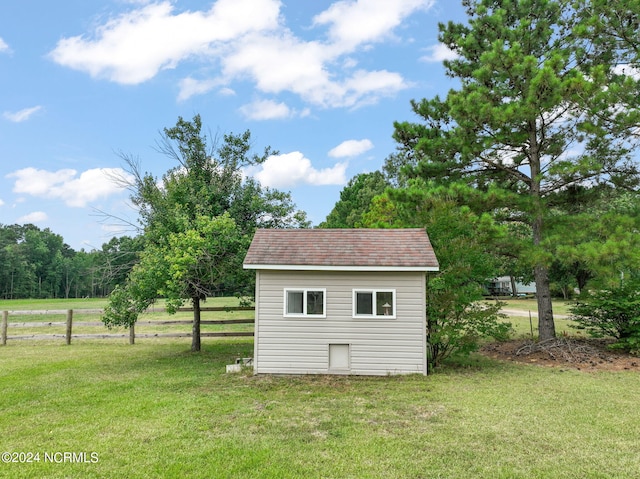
<point x="521" y="326"/>
<point x="39" y="304"/>
<point x="156" y="410"/>
<point x="79" y="304"/>
<point x="559" y="306"/>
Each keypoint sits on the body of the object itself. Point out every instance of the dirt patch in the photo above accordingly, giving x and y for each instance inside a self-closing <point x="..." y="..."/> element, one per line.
<point x="576" y="353"/>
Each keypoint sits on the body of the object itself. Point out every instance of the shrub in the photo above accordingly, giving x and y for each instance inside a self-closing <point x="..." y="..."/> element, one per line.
<point x="613" y="312"/>
<point x="456" y="325"/>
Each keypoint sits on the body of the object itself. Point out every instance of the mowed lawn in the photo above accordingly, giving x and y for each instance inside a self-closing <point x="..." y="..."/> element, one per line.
<point x="155" y="410"/>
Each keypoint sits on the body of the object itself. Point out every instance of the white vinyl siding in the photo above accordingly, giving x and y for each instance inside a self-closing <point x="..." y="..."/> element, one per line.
<point x="375" y="347"/>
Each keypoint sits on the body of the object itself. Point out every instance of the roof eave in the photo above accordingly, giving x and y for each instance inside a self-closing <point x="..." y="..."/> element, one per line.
<point x="315" y="267"/>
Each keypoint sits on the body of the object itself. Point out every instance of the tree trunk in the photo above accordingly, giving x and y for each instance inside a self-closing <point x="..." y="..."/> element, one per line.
<point x="195" y="331"/>
<point x="514" y="288"/>
<point x="546" y="325"/>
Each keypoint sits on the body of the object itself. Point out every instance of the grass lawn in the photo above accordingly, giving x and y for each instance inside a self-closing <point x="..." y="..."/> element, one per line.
<point x="79" y="304"/>
<point x="526" y="304"/>
<point x="156" y="410"/>
<point x="522" y="327"/>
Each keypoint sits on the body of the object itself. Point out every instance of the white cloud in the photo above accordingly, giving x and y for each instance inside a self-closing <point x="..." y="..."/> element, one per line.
<point x="4" y="48"/>
<point x="278" y="63"/>
<point x="439" y="53"/>
<point x="351" y="148"/>
<point x="135" y="46"/>
<point x="190" y="87"/>
<point x="32" y="218"/>
<point x="266" y="110"/>
<point x="352" y="23"/>
<point x="1" y="202"/>
<point x="366" y="87"/>
<point x="271" y="110"/>
<point x="226" y="91"/>
<point x="66" y="185"/>
<point x="22" y="115"/>
<point x="292" y="169"/>
<point x="285" y="63"/>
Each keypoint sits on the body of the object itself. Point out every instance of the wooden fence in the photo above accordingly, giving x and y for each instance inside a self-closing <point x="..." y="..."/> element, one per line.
<point x="69" y="324"/>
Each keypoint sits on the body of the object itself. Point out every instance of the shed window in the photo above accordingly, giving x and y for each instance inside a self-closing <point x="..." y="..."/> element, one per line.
<point x="374" y="303"/>
<point x="305" y="302"/>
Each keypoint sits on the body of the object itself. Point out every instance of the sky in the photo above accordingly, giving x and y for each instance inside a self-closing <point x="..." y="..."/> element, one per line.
<point x="84" y="82"/>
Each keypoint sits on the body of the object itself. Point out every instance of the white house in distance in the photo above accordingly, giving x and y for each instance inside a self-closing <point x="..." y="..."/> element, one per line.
<point x="505" y="285"/>
<point x="340" y="301"/>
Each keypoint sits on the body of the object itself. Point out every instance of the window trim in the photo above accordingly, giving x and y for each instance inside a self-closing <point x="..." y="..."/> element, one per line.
<point x="375" y="292"/>
<point x="304" y="313"/>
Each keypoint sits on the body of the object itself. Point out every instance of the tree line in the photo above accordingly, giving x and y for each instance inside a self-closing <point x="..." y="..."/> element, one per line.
<point x="37" y="263"/>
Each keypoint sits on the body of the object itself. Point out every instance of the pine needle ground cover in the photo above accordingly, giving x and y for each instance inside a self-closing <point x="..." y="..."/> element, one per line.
<point x="156" y="410"/>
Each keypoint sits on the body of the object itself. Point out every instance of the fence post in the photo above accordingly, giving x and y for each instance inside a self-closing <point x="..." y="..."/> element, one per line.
<point x="132" y="334"/>
<point x="69" y="324"/>
<point x="5" y="319"/>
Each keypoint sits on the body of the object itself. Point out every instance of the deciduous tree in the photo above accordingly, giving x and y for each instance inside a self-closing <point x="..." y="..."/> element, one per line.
<point x="197" y="223"/>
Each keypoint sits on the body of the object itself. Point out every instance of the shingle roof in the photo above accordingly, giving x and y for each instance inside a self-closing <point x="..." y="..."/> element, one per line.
<point x="351" y="249"/>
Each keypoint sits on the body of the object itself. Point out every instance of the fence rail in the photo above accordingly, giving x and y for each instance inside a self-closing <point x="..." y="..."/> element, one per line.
<point x="132" y="334"/>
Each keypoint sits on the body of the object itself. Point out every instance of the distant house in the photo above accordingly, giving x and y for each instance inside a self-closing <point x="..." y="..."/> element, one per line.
<point x="504" y="286"/>
<point x="340" y="301"/>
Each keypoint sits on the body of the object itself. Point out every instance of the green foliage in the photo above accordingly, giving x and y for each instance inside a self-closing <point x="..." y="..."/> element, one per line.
<point x="464" y="244"/>
<point x="355" y="200"/>
<point x="197" y="223"/>
<point x="610" y="28"/>
<point x="456" y="326"/>
<point x="463" y="241"/>
<point x="534" y="83"/>
<point x="613" y="312"/>
<point x="122" y="309"/>
<point x="208" y="180"/>
<point x="115" y="260"/>
<point x="188" y="265"/>
<point x="593" y="241"/>
<point x="193" y="262"/>
<point x="37" y="263"/>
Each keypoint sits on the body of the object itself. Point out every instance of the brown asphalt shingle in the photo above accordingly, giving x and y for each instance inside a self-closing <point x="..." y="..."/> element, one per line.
<point x="409" y="247"/>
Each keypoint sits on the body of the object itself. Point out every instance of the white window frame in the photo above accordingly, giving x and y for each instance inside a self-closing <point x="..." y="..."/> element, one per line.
<point x="374" y="292"/>
<point x="304" y="292"/>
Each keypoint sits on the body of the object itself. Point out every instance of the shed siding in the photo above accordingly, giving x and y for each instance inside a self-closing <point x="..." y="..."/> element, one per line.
<point x="377" y="346"/>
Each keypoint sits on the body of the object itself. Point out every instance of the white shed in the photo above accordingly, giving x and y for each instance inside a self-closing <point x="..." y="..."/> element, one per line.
<point x="340" y="301"/>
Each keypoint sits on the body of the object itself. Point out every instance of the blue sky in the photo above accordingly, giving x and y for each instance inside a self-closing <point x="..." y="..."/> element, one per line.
<point x="319" y="81"/>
